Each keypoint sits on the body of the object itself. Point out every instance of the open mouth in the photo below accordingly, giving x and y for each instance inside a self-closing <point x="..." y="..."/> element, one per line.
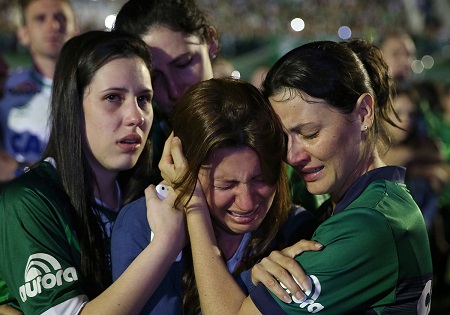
<point x="312" y="171"/>
<point x="242" y="215"/>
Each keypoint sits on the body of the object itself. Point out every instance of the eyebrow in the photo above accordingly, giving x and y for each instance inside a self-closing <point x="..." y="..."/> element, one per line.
<point x="299" y="127"/>
<point x="121" y="89"/>
<point x="260" y="175"/>
<point x="175" y="60"/>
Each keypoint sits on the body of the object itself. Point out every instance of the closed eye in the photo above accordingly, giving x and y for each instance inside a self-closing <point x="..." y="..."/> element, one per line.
<point x="185" y="61"/>
<point x="224" y="185"/>
<point x="311" y="136"/>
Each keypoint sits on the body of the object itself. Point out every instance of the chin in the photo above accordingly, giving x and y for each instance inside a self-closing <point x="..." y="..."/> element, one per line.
<point x="126" y="165"/>
<point x="316" y="189"/>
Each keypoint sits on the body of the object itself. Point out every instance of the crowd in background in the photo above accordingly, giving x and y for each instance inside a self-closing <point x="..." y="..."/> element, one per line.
<point x="247" y="20"/>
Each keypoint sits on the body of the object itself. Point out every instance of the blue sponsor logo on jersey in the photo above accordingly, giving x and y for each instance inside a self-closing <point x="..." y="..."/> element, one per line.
<point x="26" y="147"/>
<point x="44" y="272"/>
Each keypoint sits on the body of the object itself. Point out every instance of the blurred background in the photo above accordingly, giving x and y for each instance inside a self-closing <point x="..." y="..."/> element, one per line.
<point x="254" y="32"/>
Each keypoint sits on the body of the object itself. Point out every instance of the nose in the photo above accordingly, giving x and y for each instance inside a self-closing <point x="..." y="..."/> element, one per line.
<point x="173" y="89"/>
<point x="134" y="116"/>
<point x="54" y="23"/>
<point x="245" y="198"/>
<point x="296" y="153"/>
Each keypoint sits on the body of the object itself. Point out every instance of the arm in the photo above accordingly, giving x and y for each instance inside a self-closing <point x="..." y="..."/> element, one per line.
<point x="140" y="280"/>
<point x="8" y="310"/>
<point x="129" y="237"/>
<point x="209" y="267"/>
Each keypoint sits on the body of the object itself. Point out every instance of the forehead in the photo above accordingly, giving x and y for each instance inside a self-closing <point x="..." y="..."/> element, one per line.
<point x="231" y="158"/>
<point x="155" y="32"/>
<point x="120" y="72"/>
<point x="301" y="112"/>
<point x="166" y="39"/>
<point x="48" y="6"/>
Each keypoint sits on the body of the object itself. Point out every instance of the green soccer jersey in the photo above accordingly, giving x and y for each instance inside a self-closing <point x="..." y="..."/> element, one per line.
<point x="40" y="261"/>
<point x="376" y="258"/>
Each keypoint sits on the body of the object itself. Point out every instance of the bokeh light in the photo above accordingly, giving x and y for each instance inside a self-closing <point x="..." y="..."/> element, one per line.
<point x="417" y="66"/>
<point x="344" y="32"/>
<point x="235" y="74"/>
<point x="109" y="21"/>
<point x="298" y="24"/>
<point x="427" y="61"/>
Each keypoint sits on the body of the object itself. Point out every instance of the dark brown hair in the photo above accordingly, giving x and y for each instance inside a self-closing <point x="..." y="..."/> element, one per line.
<point x="339" y="73"/>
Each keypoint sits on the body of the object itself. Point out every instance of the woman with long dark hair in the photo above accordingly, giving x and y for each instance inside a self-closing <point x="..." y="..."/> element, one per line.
<point x="56" y="219"/>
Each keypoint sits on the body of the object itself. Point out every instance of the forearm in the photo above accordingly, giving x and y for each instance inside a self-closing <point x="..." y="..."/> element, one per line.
<point x="5" y="309"/>
<point x="129" y="293"/>
<point x="217" y="289"/>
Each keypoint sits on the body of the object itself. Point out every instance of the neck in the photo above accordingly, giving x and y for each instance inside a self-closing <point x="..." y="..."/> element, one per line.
<point x="228" y="243"/>
<point x="107" y="193"/>
<point x="366" y="164"/>
<point x="45" y="66"/>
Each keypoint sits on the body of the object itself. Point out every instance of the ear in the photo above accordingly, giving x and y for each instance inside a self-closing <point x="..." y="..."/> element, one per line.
<point x="365" y="107"/>
<point x="213" y="43"/>
<point x="22" y="35"/>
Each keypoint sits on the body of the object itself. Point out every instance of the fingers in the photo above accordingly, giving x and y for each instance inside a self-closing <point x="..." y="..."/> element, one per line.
<point x="176" y="151"/>
<point x="281" y="266"/>
<point x="290" y="274"/>
<point x="173" y="163"/>
<point x="302" y="246"/>
<point x="166" y="150"/>
<point x="150" y="192"/>
<point x="260" y="275"/>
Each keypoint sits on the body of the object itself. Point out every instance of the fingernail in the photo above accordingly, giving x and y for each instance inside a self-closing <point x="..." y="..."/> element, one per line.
<point x="299" y="295"/>
<point x="305" y="287"/>
<point x="319" y="246"/>
<point x="287" y="299"/>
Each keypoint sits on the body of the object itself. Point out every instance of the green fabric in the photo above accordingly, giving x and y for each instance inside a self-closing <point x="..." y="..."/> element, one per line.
<point x="351" y="267"/>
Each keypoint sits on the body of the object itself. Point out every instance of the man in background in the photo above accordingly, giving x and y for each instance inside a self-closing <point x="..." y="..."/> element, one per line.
<point x="24" y="109"/>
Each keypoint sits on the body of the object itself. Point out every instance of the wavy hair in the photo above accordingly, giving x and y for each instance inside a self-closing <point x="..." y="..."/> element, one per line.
<point x="230" y="113"/>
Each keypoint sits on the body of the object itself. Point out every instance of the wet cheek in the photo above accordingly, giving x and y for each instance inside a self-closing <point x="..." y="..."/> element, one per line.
<point x="220" y="200"/>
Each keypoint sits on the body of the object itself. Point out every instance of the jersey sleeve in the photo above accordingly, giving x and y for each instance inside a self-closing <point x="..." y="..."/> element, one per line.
<point x="40" y="255"/>
<point x="131" y="234"/>
<point x="359" y="261"/>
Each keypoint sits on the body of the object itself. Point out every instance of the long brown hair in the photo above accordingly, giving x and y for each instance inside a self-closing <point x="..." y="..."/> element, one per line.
<point x="224" y="113"/>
